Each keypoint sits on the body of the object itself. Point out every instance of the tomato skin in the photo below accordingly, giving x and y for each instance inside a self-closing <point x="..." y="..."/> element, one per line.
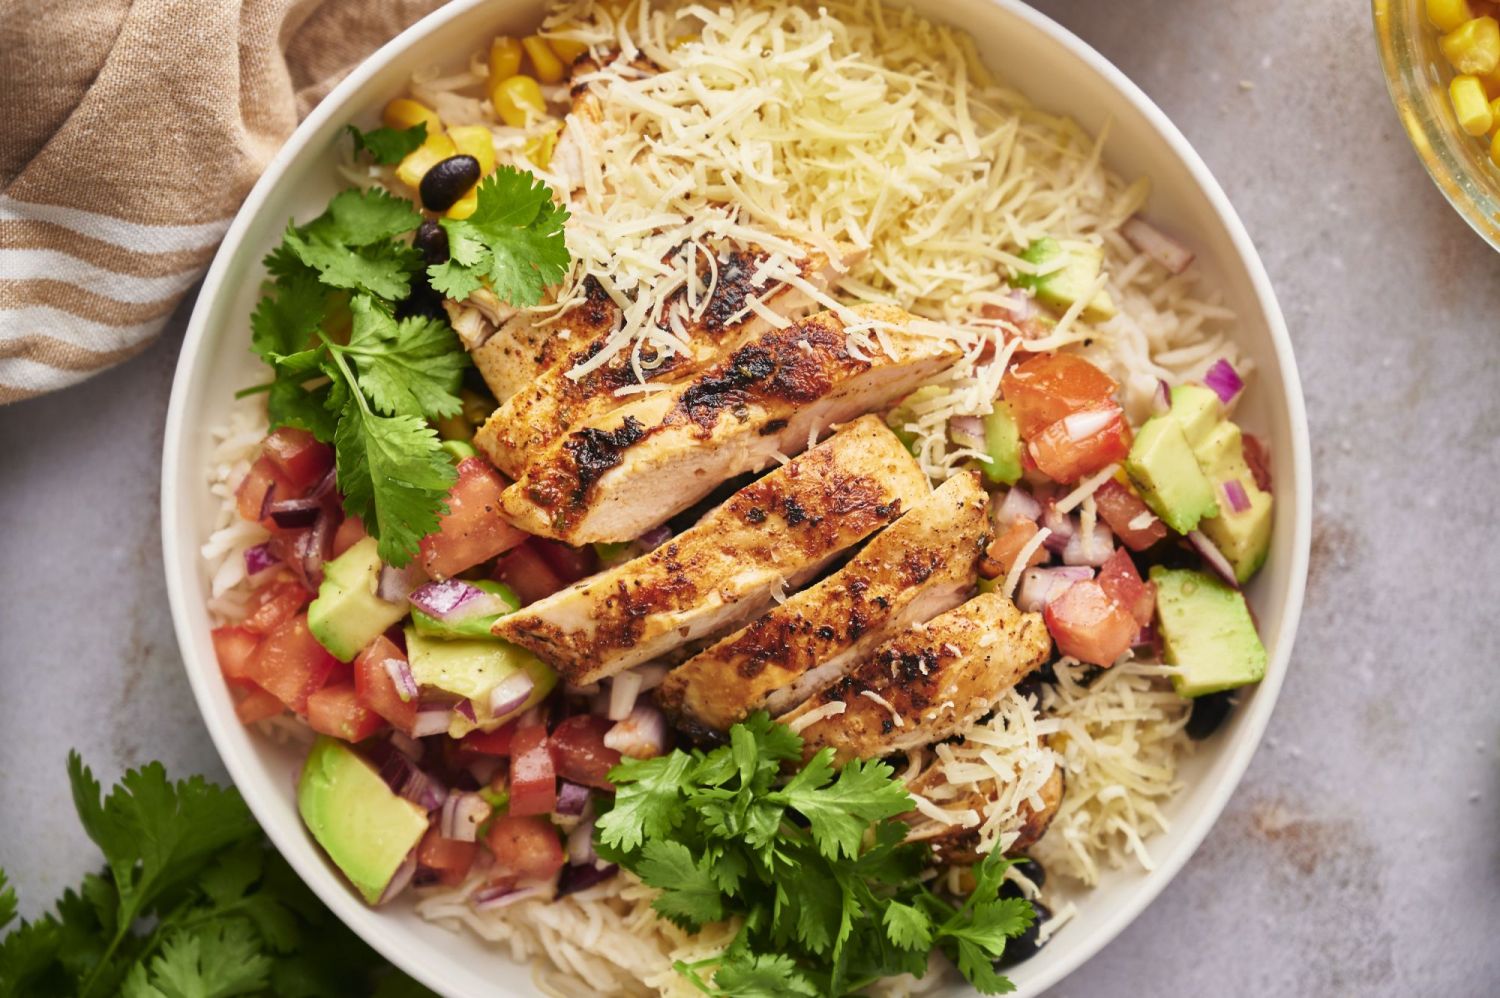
<point x="1123" y="584"/>
<point x="274" y="604"/>
<point x="1047" y="387"/>
<point x="1119" y="507"/>
<point x="568" y="563"/>
<point x="497" y="742"/>
<point x="251" y="494"/>
<point x="257" y="705"/>
<point x="235" y="647"/>
<point x="1090" y="626"/>
<point x="579" y="752"/>
<point x="298" y="456"/>
<point x="472" y="531"/>
<point x="337" y="712"/>
<point x="533" y="775"/>
<point x="448" y="858"/>
<point x="1007" y="547"/>
<point x="526" y="846"/>
<point x="291" y="664"/>
<point x="350" y="533"/>
<point x="377" y="690"/>
<point x="528" y="574"/>
<point x="1066" y="460"/>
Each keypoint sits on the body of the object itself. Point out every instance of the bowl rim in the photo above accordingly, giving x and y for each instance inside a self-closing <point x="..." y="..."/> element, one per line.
<point x="383" y="934"/>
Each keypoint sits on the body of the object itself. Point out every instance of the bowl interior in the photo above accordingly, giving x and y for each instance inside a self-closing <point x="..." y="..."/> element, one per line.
<point x="1031" y="52"/>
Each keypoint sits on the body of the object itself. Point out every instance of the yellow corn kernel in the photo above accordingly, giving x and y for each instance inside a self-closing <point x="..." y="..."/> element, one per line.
<point x="476" y="141"/>
<point x="424" y="157"/>
<point x="567" y="49"/>
<point x="1473" y="47"/>
<point x="1446" y="15"/>
<point x="539" y="147"/>
<point x="466" y="205"/>
<point x="404" y="113"/>
<point x="549" y="68"/>
<point x="505" y="58"/>
<point x="518" y="100"/>
<point x="1470" y="105"/>
<point x="1494" y="116"/>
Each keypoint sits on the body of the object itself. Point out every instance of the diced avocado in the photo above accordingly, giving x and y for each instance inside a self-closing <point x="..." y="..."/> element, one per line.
<point x="905" y="413"/>
<point x="1197" y="410"/>
<point x="363" y="826"/>
<point x="474" y="627"/>
<point x="347" y="615"/>
<point x="1002" y="442"/>
<point x="472" y="669"/>
<point x="1206" y="632"/>
<point x="1163" y="465"/>
<point x="1244" y="537"/>
<point x="1068" y="271"/>
<point x="611" y="553"/>
<point x="459" y="450"/>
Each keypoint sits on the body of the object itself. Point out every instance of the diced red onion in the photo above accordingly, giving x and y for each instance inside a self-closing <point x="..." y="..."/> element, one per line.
<point x="1017" y="505"/>
<point x="401" y="879"/>
<point x="1040" y="586"/>
<point x="410" y="782"/>
<point x="290" y="513"/>
<point x="1224" y="380"/>
<point x="1023" y="305"/>
<point x="500" y="895"/>
<point x="1239" y="501"/>
<point x="462" y="816"/>
<point x="1161" y="399"/>
<point x="1063" y="528"/>
<point x="1213" y="557"/>
<point x="1088" y="423"/>
<point x="259" y="558"/>
<point x="578" y="878"/>
<point x="572" y="799"/>
<point x="1156" y="244"/>
<point x="655" y="537"/>
<point x="314" y="547"/>
<point x="455" y="601"/>
<point x="642" y="735"/>
<point x="465" y="709"/>
<point x="1258" y="456"/>
<point x="968" y="430"/>
<point x="396" y="584"/>
<point x="1094" y="553"/>
<point x="266" y="501"/>
<point x="1148" y="637"/>
<point x="581" y="844"/>
<point x="511" y="693"/>
<point x="623" y="690"/>
<point x="325" y="485"/>
<point x="406" y="745"/>
<point x="432" y="721"/>
<point x="401" y="677"/>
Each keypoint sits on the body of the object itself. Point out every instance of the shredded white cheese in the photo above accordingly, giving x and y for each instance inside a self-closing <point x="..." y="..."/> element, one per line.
<point x="817" y="714"/>
<point x="895" y="717"/>
<point x="1085" y="489"/>
<point x="1012" y="577"/>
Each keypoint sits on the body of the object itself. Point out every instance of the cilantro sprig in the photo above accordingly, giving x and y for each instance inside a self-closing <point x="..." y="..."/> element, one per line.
<point x="192" y="903"/>
<point x="830" y="893"/>
<point x="354" y="375"/>
<point x="388" y="146"/>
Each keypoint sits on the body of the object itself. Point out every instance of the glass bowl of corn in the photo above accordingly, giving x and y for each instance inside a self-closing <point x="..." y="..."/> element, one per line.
<point x="1442" y="64"/>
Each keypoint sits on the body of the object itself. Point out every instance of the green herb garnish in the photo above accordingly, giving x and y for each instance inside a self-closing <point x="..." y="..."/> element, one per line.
<point x="828" y="888"/>
<point x="388" y="146"/>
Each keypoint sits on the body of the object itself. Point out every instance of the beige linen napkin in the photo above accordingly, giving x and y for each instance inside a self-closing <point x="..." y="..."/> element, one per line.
<point x="130" y="130"/>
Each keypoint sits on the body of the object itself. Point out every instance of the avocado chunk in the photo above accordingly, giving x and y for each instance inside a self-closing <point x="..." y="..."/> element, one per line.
<point x="1197" y="410"/>
<point x="1164" y="467"/>
<point x="1244" y="537"/>
<point x="363" y="826"/>
<point x="347" y="615"/>
<point x="474" y="627"/>
<point x="1068" y="270"/>
<point x="1206" y="632"/>
<point x="1002" y="442"/>
<point x="472" y="668"/>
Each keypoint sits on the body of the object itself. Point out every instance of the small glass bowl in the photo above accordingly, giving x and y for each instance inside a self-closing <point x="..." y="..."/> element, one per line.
<point x="1418" y="76"/>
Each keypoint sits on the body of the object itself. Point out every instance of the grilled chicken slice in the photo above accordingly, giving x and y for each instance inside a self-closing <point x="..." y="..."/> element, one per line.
<point x="923" y="564"/>
<point x="618" y="476"/>
<point x="778" y="531"/>
<point x="555" y="401"/>
<point x="960" y="845"/>
<point x="930" y="682"/>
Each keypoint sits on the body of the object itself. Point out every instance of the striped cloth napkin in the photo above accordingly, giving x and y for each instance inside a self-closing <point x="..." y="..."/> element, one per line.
<point x="130" y="130"/>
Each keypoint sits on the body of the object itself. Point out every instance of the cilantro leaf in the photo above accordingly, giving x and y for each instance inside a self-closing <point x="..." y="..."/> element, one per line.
<point x="220" y="960"/>
<point x="287" y="316"/>
<point x="351" y="245"/>
<point x="690" y="896"/>
<point x="839" y="813"/>
<point x="7" y="901"/>
<point x="648" y="800"/>
<point x="513" y="242"/>
<point x="292" y="404"/>
<point x="762" y="975"/>
<point x="388" y="146"/>
<point x="411" y="367"/>
<point x="908" y="926"/>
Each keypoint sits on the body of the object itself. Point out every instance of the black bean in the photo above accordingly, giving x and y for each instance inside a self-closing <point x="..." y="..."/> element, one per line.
<point x="1024" y="946"/>
<point x="431" y="241"/>
<point x="1209" y="712"/>
<point x="1031" y="870"/>
<point x="448" y="181"/>
<point x="423" y="299"/>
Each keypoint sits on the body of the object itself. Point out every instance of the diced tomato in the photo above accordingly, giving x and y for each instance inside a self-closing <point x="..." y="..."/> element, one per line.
<point x="579" y="752"/>
<point x="261" y="478"/>
<point x="273" y="604"/>
<point x="448" y="858"/>
<point x="257" y="705"/>
<point x="1122" y="510"/>
<point x="1081" y="443"/>
<point x="525" y="846"/>
<point x="528" y="574"/>
<point x="235" y="647"/>
<point x="570" y="564"/>
<point x="473" y="530"/>
<point x="336" y="711"/>
<point x="533" y="777"/>
<point x="1258" y="457"/>
<point x="1088" y="625"/>
<point x="291" y="663"/>
<point x="495" y="742"/>
<point x="299" y="457"/>
<point x="350" y="533"/>
<point x="1048" y="387"/>
<point x="1123" y="584"/>
<point x="376" y="688"/>
<point x="1007" y="547"/>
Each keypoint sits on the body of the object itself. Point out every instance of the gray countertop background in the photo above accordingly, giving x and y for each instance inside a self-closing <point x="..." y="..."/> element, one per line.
<point x="1361" y="854"/>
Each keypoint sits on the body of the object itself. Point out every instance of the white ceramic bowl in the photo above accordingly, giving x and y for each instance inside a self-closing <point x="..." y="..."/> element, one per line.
<point x="1033" y="53"/>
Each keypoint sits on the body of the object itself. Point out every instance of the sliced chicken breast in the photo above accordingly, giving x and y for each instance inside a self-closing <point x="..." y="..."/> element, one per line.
<point x="930" y="682"/>
<point x="960" y="845"/>
<point x="923" y="564"/>
<point x="513" y="352"/>
<point x="618" y="476"/>
<point x="775" y="533"/>
<point x="556" y="401"/>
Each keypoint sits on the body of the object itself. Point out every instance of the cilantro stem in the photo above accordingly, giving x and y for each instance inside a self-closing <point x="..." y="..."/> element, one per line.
<point x="254" y="390"/>
<point x="337" y="353"/>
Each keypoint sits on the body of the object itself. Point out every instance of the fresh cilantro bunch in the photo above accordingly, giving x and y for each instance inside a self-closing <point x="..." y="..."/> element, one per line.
<point x="353" y="374"/>
<point x="388" y="146"/>
<point x="193" y="903"/>
<point x="829" y="891"/>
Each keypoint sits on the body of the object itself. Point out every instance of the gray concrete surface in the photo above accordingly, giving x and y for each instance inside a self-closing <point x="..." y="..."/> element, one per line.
<point x="1360" y="856"/>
